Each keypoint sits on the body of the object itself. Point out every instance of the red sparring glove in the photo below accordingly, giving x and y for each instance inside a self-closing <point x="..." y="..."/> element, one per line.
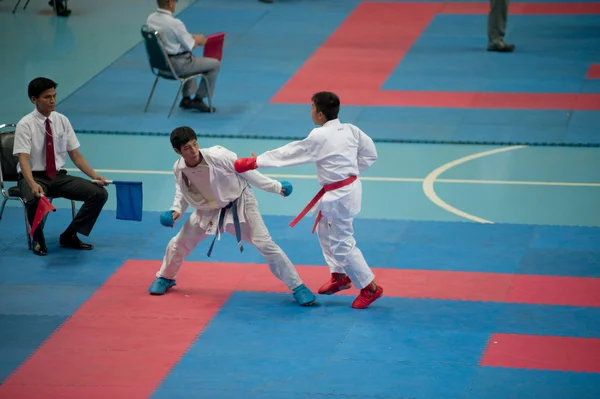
<point x="242" y="165"/>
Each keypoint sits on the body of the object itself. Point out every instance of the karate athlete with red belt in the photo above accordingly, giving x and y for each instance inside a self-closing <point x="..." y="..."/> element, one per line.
<point x="341" y="152"/>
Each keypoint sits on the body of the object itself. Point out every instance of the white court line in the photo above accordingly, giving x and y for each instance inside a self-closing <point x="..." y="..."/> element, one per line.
<point x="431" y="178"/>
<point x="519" y="183"/>
<point x="381" y="179"/>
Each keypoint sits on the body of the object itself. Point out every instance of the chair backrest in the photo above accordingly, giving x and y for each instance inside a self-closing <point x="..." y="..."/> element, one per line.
<point x="8" y="161"/>
<point x="157" y="56"/>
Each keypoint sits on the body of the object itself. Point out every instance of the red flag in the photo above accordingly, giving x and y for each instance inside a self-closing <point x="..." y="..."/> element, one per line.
<point x="213" y="48"/>
<point x="44" y="207"/>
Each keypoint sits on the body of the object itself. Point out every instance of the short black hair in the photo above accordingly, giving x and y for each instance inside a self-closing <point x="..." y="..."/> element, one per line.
<point x="39" y="85"/>
<point x="328" y="103"/>
<point x="181" y="136"/>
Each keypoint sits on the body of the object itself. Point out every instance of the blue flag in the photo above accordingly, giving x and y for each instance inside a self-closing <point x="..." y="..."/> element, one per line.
<point x="130" y="200"/>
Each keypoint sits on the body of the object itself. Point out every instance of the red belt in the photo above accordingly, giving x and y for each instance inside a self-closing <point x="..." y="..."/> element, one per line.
<point x="320" y="194"/>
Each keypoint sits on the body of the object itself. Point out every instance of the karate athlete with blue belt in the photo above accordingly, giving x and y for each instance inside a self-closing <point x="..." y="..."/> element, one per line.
<point x="223" y="202"/>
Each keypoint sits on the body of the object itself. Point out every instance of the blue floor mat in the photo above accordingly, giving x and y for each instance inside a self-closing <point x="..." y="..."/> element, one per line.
<point x="21" y="335"/>
<point x="265" y="48"/>
<point x="388" y="244"/>
<point x="409" y="348"/>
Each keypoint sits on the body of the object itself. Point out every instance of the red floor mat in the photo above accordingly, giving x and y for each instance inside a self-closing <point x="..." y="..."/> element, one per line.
<point x="362" y="53"/>
<point x="122" y="342"/>
<point x="543" y="353"/>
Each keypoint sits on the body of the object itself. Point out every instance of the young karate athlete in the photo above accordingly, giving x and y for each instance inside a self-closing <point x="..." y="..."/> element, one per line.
<point x="223" y="202"/>
<point x="341" y="151"/>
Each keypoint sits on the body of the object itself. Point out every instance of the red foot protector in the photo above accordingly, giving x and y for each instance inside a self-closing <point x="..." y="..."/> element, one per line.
<point x="123" y="342"/>
<point x="543" y="353"/>
<point x="363" y="52"/>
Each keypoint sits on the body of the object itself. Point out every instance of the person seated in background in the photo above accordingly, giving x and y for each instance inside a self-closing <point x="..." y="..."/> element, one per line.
<point x="179" y="44"/>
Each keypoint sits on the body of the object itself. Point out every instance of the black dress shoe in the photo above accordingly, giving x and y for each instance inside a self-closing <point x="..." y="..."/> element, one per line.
<point x="199" y="104"/>
<point x="186" y="103"/>
<point x="63" y="13"/>
<point x="501" y="47"/>
<point x="39" y="248"/>
<point x="196" y="103"/>
<point x="73" y="242"/>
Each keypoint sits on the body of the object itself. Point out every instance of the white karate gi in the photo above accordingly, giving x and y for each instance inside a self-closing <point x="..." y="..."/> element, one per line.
<point x="339" y="150"/>
<point x="213" y="185"/>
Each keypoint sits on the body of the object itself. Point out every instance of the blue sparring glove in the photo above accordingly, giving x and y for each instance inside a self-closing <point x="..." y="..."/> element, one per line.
<point x="288" y="188"/>
<point x="166" y="219"/>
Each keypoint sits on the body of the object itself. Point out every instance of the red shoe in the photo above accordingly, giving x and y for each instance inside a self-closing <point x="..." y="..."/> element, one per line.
<point x="336" y="284"/>
<point x="366" y="297"/>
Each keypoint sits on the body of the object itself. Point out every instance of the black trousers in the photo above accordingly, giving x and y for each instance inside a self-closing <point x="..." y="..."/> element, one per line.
<point x="72" y="188"/>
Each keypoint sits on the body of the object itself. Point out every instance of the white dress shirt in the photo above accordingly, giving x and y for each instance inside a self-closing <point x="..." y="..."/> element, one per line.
<point x="30" y="138"/>
<point x="173" y="32"/>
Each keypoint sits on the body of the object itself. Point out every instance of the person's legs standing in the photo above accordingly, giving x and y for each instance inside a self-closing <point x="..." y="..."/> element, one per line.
<point x="339" y="280"/>
<point x="497" y="26"/>
<point x="337" y="236"/>
<point x="60" y="7"/>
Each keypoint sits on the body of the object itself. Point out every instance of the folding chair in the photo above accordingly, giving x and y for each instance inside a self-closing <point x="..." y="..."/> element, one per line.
<point x="9" y="173"/>
<point x="26" y="4"/>
<point x="161" y="65"/>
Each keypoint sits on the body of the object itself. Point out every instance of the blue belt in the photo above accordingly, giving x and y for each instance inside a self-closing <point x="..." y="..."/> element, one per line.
<point x="236" y="224"/>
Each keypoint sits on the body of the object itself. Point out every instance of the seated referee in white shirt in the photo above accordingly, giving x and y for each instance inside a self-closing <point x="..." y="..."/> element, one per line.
<point x="43" y="138"/>
<point x="179" y="44"/>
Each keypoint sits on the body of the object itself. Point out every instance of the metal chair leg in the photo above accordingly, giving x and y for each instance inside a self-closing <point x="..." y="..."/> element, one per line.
<point x="208" y="96"/>
<point x="26" y="4"/>
<point x="16" y="6"/>
<point x="4" y="199"/>
<point x="176" y="97"/>
<point x="73" y="209"/>
<point x="151" y="93"/>
<point x="27" y="226"/>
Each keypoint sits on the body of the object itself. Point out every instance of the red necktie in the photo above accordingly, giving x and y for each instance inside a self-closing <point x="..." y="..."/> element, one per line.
<point x="50" y="161"/>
